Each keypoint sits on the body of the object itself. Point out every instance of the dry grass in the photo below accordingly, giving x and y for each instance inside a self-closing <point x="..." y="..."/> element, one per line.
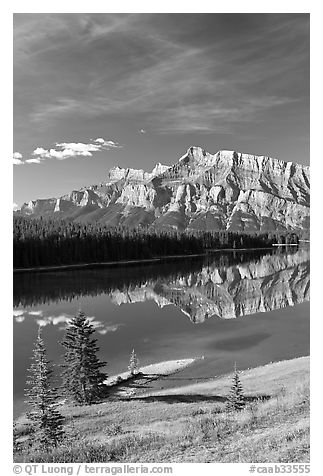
<point x="157" y="430"/>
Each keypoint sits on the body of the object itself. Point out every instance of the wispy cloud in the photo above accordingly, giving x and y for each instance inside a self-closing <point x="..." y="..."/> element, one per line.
<point x="37" y="34"/>
<point x="222" y="119"/>
<point x="230" y="70"/>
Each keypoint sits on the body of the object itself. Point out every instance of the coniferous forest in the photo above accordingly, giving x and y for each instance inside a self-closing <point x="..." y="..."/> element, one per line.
<point x="40" y="242"/>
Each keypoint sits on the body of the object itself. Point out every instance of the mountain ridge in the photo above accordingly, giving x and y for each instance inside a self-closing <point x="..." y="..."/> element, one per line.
<point x="228" y="190"/>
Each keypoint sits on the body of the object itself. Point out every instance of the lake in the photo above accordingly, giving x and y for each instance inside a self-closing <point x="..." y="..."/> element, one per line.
<point x="249" y="307"/>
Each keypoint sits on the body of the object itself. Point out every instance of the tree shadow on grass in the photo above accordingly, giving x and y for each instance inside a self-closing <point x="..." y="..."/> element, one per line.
<point x="193" y="398"/>
<point x="132" y="383"/>
<point x="141" y="382"/>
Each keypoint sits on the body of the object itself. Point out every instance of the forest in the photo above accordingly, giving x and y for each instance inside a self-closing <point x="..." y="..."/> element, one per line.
<point x="46" y="242"/>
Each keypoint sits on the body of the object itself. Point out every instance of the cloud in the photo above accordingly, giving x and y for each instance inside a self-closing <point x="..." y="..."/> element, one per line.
<point x="19" y="319"/>
<point x="78" y="148"/>
<point x="35" y="313"/>
<point x="108" y="144"/>
<point x="66" y="150"/>
<point x="18" y="315"/>
<point x="104" y="328"/>
<point x="40" y="151"/>
<point x="52" y="320"/>
<point x="18" y="312"/>
<point x="15" y="206"/>
<point x="17" y="158"/>
<point x="112" y="328"/>
<point x="62" y="320"/>
<point x="42" y="322"/>
<point x="33" y="161"/>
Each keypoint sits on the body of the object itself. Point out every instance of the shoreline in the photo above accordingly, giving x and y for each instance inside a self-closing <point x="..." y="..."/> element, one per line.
<point x="163" y="368"/>
<point x="217" y="384"/>
<point x="221" y="383"/>
<point x="104" y="263"/>
<point x="130" y="262"/>
<point x="121" y="385"/>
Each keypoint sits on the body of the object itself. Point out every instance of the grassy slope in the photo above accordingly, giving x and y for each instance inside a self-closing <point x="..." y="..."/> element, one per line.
<point x="189" y="424"/>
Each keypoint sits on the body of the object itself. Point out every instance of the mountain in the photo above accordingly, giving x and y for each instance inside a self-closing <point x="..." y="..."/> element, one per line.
<point x="273" y="282"/>
<point x="225" y="191"/>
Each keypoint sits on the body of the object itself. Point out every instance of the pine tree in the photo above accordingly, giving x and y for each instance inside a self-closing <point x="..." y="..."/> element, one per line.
<point x="82" y="377"/>
<point x="133" y="363"/>
<point x="236" y="400"/>
<point x="47" y="422"/>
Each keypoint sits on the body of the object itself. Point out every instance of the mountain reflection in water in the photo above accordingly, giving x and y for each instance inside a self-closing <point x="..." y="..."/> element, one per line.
<point x="226" y="284"/>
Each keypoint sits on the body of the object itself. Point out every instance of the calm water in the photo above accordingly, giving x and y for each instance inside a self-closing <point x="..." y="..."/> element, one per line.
<point x="248" y="307"/>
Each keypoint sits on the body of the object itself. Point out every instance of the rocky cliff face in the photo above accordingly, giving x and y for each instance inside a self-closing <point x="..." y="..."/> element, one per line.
<point x="224" y="191"/>
<point x="273" y="282"/>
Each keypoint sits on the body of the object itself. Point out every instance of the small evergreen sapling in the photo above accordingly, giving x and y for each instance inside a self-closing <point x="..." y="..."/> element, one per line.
<point x="133" y="366"/>
<point x="82" y="376"/>
<point x="46" y="421"/>
<point x="236" y="400"/>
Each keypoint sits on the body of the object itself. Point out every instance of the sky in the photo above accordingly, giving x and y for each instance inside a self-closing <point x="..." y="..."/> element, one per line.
<point x="94" y="91"/>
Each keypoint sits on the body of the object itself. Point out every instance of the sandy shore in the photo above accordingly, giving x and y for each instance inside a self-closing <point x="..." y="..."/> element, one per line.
<point x="167" y="367"/>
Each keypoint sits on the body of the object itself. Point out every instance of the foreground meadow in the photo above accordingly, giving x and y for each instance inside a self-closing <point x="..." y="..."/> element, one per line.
<point x="190" y="424"/>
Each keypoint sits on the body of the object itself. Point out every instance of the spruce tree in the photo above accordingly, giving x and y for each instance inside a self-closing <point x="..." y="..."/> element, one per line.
<point x="46" y="421"/>
<point x="133" y="363"/>
<point x="82" y="377"/>
<point x="235" y="399"/>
